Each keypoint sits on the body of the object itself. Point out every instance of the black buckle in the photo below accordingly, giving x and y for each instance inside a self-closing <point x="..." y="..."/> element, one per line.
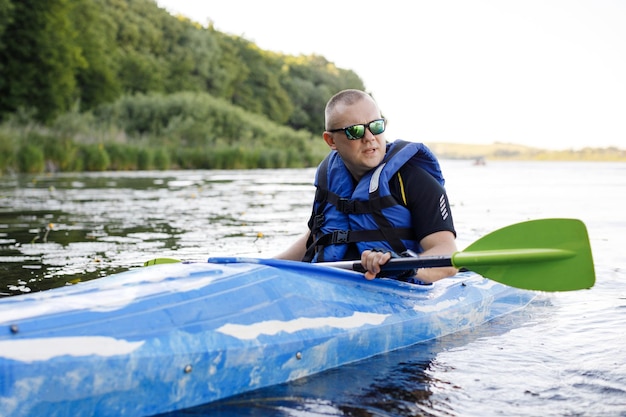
<point x="346" y="205"/>
<point x="318" y="222"/>
<point x="341" y="236"/>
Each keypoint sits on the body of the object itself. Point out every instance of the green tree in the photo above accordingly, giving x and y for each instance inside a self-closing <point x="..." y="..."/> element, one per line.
<point x="192" y="56"/>
<point x="310" y="81"/>
<point x="6" y="16"/>
<point x="41" y="57"/>
<point x="97" y="80"/>
<point x="234" y="72"/>
<point x="260" y="91"/>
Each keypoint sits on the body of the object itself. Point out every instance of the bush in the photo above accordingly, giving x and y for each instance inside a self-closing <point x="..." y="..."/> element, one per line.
<point x="30" y="159"/>
<point x="95" y="158"/>
<point x="121" y="157"/>
<point x="61" y="154"/>
<point x="144" y="159"/>
<point x="161" y="159"/>
<point x="7" y="153"/>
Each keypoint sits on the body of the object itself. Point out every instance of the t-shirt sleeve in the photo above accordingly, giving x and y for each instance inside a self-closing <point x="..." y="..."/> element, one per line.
<point x="426" y="199"/>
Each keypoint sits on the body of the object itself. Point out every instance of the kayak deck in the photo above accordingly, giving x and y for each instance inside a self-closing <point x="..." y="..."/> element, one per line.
<point x="168" y="337"/>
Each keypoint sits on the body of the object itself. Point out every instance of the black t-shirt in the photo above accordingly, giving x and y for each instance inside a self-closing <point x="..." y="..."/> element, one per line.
<point x="426" y="199"/>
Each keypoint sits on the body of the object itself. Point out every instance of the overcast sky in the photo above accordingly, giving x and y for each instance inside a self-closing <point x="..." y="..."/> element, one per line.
<point x="545" y="73"/>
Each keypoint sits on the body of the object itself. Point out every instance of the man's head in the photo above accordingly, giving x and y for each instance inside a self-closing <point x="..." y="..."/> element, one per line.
<point x="355" y="129"/>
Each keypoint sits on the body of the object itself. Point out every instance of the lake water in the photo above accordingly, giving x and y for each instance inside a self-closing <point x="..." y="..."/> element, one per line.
<point x="564" y="355"/>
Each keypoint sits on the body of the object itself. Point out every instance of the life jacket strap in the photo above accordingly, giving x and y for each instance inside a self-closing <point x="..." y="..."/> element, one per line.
<point x="349" y="206"/>
<point x="340" y="237"/>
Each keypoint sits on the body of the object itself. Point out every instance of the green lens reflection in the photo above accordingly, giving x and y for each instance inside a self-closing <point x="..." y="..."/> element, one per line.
<point x="355" y="132"/>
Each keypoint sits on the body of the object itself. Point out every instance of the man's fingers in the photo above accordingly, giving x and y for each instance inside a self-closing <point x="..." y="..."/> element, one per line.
<point x="372" y="261"/>
<point x="369" y="276"/>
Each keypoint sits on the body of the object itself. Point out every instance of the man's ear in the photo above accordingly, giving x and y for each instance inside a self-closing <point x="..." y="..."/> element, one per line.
<point x="328" y="138"/>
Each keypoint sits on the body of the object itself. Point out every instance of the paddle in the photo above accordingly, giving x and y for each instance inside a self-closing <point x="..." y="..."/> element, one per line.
<point x="544" y="255"/>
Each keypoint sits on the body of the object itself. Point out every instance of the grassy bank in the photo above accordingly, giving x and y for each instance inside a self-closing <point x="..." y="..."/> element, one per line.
<point x="510" y="151"/>
<point x="142" y="132"/>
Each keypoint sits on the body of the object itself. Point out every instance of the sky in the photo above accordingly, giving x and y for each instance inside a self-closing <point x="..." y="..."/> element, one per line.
<point x="541" y="73"/>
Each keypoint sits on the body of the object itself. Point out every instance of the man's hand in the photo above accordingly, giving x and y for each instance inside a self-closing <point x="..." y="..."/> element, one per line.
<point x="372" y="260"/>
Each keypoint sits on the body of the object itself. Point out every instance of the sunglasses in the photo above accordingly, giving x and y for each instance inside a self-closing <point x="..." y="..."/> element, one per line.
<point x="355" y="132"/>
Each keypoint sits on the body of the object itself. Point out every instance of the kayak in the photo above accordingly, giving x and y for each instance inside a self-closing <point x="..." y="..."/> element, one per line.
<point x="172" y="336"/>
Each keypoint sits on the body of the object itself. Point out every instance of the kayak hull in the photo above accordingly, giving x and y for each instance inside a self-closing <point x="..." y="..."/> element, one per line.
<point x="169" y="337"/>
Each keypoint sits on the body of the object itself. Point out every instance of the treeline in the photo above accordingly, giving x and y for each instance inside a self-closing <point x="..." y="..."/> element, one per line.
<point x="122" y="84"/>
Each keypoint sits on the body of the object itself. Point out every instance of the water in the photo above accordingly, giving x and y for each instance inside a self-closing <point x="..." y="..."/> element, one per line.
<point x="564" y="355"/>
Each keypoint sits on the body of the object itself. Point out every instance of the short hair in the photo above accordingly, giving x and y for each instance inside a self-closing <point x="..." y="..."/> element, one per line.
<point x="346" y="97"/>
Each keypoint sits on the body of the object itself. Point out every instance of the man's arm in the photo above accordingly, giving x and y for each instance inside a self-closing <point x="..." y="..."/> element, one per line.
<point x="296" y="251"/>
<point x="438" y="243"/>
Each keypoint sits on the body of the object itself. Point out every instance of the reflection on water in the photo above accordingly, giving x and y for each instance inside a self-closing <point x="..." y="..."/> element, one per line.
<point x="564" y="355"/>
<point x="69" y="228"/>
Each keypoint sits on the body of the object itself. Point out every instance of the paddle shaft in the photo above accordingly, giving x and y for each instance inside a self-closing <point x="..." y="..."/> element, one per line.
<point x="396" y="264"/>
<point x="463" y="259"/>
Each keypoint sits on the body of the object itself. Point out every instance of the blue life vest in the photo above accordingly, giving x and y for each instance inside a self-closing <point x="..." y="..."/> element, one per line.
<point x="366" y="214"/>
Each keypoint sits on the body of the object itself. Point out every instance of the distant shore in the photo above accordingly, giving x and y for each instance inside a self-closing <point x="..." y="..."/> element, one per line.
<point x="510" y="151"/>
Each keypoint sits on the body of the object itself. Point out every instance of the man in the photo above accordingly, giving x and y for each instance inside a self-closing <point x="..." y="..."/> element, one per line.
<point x="375" y="200"/>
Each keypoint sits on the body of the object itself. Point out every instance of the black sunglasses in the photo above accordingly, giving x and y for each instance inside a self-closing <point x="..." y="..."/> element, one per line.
<point x="355" y="132"/>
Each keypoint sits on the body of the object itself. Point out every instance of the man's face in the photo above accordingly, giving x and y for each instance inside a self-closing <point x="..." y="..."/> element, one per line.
<point x="360" y="155"/>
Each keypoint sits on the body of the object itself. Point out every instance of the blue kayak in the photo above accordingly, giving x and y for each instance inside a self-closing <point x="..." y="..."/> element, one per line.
<point x="173" y="336"/>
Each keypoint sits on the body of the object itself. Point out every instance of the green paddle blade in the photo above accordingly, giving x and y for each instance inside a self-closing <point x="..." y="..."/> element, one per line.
<point x="159" y="261"/>
<point x="544" y="255"/>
